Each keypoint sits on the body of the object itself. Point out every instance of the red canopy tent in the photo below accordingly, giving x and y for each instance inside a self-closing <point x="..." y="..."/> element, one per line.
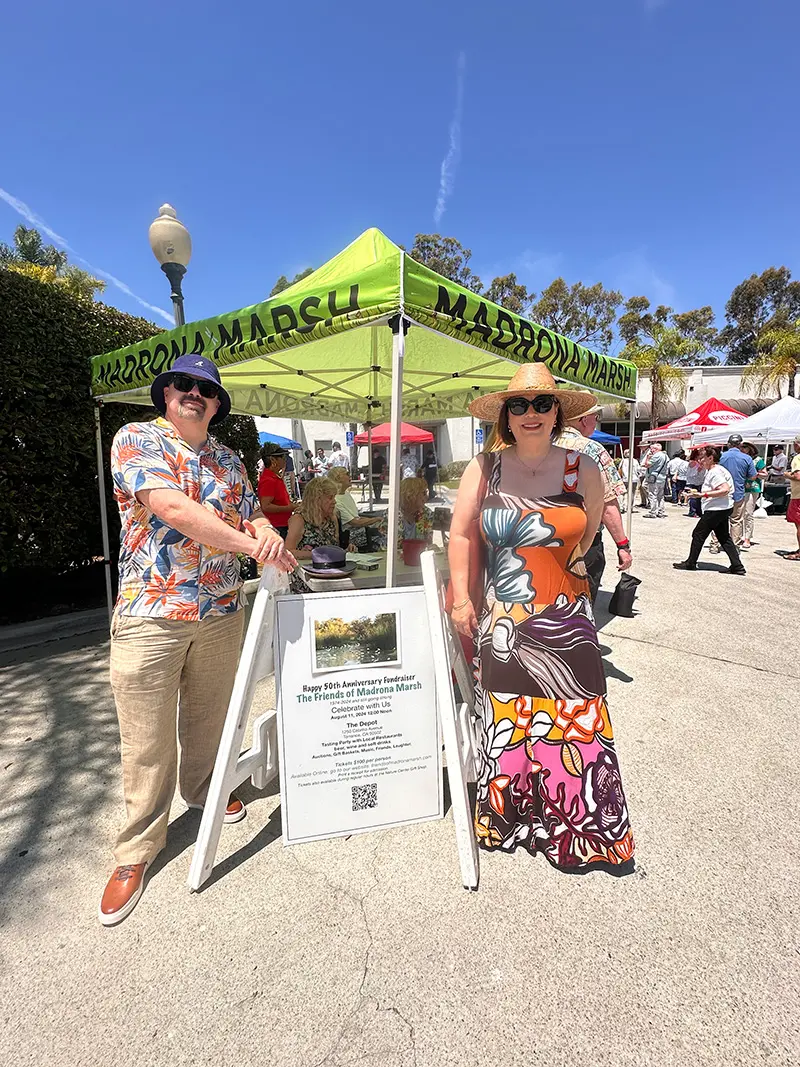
<point x="382" y="435"/>
<point x="712" y="415"/>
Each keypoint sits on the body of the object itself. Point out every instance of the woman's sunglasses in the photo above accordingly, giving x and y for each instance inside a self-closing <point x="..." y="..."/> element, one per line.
<point x="184" y="383"/>
<point x="518" y="405"/>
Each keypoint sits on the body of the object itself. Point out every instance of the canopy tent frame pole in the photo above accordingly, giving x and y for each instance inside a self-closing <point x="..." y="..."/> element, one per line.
<point x="631" y="433"/>
<point x="101" y="489"/>
<point x="398" y="326"/>
<point x="369" y="450"/>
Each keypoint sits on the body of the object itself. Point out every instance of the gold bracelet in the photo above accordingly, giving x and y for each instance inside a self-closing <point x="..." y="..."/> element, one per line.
<point x="463" y="604"/>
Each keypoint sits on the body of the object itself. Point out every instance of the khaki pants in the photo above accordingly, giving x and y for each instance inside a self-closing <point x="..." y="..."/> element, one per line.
<point x="748" y="521"/>
<point x="737" y="520"/>
<point x="153" y="662"/>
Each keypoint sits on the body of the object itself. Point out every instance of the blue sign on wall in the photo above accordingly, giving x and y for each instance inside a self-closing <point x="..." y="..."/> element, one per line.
<point x="349" y="438"/>
<point x="479" y="436"/>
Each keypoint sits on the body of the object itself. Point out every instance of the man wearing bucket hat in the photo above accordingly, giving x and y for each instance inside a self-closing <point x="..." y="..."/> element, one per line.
<point x="577" y="437"/>
<point x="187" y="508"/>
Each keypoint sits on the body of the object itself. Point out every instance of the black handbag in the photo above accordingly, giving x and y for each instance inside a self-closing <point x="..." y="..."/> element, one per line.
<point x="622" y="598"/>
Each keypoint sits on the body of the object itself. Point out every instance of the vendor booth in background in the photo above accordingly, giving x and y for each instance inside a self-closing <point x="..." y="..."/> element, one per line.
<point x="712" y="415"/>
<point x="334" y="346"/>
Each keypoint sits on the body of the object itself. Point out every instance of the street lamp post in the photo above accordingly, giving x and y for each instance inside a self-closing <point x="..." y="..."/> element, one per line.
<point x="172" y="247"/>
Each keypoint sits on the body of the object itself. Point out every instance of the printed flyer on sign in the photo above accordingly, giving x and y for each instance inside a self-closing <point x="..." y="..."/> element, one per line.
<point x="359" y="734"/>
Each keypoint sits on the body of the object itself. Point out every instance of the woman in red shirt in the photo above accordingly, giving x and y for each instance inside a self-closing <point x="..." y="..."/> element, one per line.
<point x="272" y="491"/>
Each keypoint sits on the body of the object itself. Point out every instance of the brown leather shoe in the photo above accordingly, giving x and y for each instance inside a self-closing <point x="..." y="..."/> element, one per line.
<point x="122" y="893"/>
<point x="234" y="812"/>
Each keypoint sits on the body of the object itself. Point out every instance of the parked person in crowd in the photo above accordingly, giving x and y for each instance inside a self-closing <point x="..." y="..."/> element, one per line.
<point x="272" y="492"/>
<point x="540" y="681"/>
<point x="695" y="476"/>
<point x="378" y="474"/>
<point x="187" y="508"/>
<point x="717" y="499"/>
<point x="431" y="470"/>
<point x="576" y="437"/>
<point x="356" y="527"/>
<point x="644" y="499"/>
<point x="678" y="469"/>
<point x="740" y="467"/>
<point x="752" y="491"/>
<point x="408" y="464"/>
<point x="656" y="466"/>
<point x="307" y="472"/>
<point x="627" y="462"/>
<point x="793" y="511"/>
<point x="416" y="521"/>
<point x="776" y="471"/>
<point x="338" y="458"/>
<point x="320" y="463"/>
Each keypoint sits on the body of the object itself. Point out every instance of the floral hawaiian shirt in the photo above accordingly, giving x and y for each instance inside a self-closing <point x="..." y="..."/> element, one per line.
<point x="613" y="484"/>
<point x="162" y="573"/>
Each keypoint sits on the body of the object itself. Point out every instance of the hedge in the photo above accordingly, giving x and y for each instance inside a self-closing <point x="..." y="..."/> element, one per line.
<point x="49" y="511"/>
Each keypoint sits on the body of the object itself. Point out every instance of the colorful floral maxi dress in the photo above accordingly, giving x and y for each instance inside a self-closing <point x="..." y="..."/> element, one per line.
<point x="549" y="778"/>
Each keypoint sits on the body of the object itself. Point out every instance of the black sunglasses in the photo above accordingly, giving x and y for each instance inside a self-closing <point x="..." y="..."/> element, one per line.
<point x="184" y="383"/>
<point x="518" y="405"/>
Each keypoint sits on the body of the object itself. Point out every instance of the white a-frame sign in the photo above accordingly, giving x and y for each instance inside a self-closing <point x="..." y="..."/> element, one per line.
<point x="364" y="685"/>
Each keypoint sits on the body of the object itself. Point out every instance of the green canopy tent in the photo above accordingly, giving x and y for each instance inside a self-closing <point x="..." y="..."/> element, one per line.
<point x="334" y="346"/>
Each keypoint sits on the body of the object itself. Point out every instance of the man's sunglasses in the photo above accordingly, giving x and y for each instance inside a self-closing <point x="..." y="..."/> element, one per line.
<point x="518" y="405"/>
<point x="184" y="383"/>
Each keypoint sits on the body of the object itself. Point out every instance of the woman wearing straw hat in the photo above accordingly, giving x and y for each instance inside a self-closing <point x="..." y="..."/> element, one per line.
<point x="523" y="519"/>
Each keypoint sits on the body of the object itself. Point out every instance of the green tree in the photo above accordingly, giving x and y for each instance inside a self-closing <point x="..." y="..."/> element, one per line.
<point x="447" y="257"/>
<point x="760" y="303"/>
<point x="510" y="294"/>
<point x="661" y="353"/>
<point x="28" y="248"/>
<point x="47" y="264"/>
<point x="284" y="283"/>
<point x="777" y="361"/>
<point x="638" y="322"/>
<point x="584" y="313"/>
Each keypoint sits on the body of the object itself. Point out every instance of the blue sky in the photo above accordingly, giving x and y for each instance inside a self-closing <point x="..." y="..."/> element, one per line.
<point x="647" y="144"/>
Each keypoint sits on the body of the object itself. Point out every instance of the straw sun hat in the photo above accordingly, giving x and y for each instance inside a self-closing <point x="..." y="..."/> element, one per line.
<point x="534" y="379"/>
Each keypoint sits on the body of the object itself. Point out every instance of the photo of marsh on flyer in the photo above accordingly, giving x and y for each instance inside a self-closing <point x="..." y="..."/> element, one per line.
<point x="369" y="641"/>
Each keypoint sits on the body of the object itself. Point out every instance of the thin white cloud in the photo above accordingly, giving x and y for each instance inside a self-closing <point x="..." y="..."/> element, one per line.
<point x="653" y="5"/>
<point x="30" y="216"/>
<point x="447" y="173"/>
<point x="635" y="275"/>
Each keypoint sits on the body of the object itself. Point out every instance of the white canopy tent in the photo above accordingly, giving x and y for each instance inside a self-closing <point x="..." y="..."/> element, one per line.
<point x="778" y="423"/>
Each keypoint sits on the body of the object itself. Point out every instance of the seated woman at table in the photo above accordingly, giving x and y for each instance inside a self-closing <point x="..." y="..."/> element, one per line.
<point x="357" y="527"/>
<point x="416" y="521"/>
<point x="313" y="524"/>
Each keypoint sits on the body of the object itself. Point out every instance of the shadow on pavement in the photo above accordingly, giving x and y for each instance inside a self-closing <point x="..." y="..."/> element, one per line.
<point x="58" y="755"/>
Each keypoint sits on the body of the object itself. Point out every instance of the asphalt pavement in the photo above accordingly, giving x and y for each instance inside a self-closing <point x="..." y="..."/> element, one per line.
<point x="368" y="950"/>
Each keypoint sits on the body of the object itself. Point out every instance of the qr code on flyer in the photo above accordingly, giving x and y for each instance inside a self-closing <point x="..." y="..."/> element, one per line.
<point x="365" y="796"/>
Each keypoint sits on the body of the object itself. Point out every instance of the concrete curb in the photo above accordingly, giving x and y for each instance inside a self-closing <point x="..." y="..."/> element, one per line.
<point x="23" y="635"/>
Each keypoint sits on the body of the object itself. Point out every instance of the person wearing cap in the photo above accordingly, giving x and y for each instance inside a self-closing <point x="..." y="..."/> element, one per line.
<point x="657" y="469"/>
<point x="524" y="519"/>
<point x="272" y="492"/>
<point x="576" y="435"/>
<point x="187" y="509"/>
<point x="793" y="511"/>
<point x="740" y="466"/>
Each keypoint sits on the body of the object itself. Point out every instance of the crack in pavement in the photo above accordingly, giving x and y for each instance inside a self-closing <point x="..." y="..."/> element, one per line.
<point x="698" y="655"/>
<point x="363" y="997"/>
